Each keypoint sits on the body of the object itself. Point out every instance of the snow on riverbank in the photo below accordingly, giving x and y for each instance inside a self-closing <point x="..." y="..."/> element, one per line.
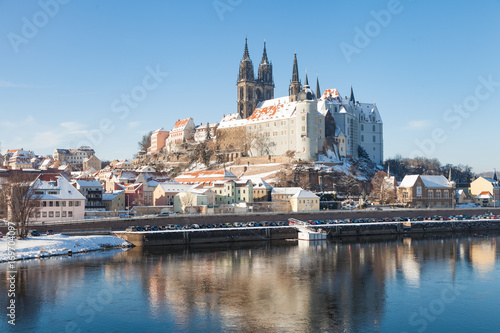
<point x="34" y="247"/>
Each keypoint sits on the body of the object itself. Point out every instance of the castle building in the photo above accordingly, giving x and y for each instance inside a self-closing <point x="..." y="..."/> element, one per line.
<point x="349" y="123"/>
<point x="304" y="123"/>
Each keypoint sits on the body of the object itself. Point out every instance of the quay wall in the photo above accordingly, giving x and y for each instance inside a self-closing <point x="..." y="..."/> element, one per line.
<point x="368" y="229"/>
<point x="205" y="236"/>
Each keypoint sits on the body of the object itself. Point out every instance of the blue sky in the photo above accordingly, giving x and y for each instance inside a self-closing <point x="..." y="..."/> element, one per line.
<point x="62" y="83"/>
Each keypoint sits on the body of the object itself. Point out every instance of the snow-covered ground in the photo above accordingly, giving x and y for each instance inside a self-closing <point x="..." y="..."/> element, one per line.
<point x="34" y="247"/>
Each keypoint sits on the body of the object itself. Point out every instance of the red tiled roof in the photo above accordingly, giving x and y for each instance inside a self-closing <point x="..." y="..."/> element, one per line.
<point x="180" y="124"/>
<point x="48" y="177"/>
<point x="266" y="112"/>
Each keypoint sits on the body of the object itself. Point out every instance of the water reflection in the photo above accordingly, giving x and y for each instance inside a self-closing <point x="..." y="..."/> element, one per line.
<point x="349" y="285"/>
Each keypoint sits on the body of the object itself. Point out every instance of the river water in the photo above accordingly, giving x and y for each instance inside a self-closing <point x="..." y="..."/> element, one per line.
<point x="440" y="283"/>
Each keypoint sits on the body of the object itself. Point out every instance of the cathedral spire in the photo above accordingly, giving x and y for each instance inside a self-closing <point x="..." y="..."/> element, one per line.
<point x="318" y="91"/>
<point x="352" y="99"/>
<point x="246" y="55"/>
<point x="264" y="56"/>
<point x="307" y="81"/>
<point x="295" y="74"/>
<point x="295" y="86"/>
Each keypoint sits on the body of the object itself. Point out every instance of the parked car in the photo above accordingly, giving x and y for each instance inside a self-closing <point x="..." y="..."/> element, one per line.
<point x="154" y="228"/>
<point x="50" y="232"/>
<point x="34" y="233"/>
<point x="131" y="229"/>
<point x="1" y="235"/>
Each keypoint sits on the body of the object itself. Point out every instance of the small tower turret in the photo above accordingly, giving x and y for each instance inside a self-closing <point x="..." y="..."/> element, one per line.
<point x="295" y="85"/>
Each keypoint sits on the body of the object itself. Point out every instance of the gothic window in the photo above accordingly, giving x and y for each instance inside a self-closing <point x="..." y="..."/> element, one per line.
<point x="241" y="92"/>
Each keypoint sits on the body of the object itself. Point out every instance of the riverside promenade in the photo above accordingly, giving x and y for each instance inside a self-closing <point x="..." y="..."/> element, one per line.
<point x="110" y="225"/>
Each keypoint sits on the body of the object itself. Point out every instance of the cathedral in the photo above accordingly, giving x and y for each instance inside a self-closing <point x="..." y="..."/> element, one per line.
<point x="305" y="122"/>
<point x="250" y="91"/>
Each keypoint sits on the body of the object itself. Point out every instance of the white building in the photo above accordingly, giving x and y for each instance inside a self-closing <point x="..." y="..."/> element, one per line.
<point x="360" y="123"/>
<point x="73" y="156"/>
<point x="200" y="134"/>
<point x="182" y="131"/>
<point x="59" y="201"/>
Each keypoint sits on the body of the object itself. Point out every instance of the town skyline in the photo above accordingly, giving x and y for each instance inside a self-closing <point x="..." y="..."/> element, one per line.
<point x="66" y="81"/>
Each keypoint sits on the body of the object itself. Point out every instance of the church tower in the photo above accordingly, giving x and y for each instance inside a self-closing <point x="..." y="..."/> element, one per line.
<point x="246" y="86"/>
<point x="295" y="85"/>
<point x="265" y="84"/>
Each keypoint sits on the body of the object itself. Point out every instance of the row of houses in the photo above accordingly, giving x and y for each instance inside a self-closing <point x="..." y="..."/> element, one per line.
<point x="424" y="191"/>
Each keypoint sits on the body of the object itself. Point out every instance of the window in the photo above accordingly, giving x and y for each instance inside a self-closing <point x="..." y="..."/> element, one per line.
<point x="373" y="128"/>
<point x="57" y="203"/>
<point x="58" y="214"/>
<point x="45" y="204"/>
<point x="374" y="140"/>
<point x="303" y="128"/>
<point x="362" y="127"/>
<point x="405" y="195"/>
<point x="419" y="191"/>
<point x="362" y="138"/>
<point x="51" y="203"/>
<point x="446" y="194"/>
<point x="63" y="203"/>
<point x="44" y="214"/>
<point x="63" y="214"/>
<point x="77" y="203"/>
<point x="51" y="214"/>
<point x="430" y="194"/>
<point x="70" y="214"/>
<point x="70" y="203"/>
<point x="438" y="194"/>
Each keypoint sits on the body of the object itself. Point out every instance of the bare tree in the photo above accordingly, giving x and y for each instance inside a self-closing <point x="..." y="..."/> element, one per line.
<point x="258" y="143"/>
<point x="21" y="200"/>
<point x="145" y="142"/>
<point x="187" y="200"/>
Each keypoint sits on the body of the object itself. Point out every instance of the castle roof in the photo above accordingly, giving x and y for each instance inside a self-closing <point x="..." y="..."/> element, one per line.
<point x="273" y="112"/>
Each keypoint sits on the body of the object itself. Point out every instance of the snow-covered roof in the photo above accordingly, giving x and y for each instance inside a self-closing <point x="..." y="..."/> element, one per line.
<point x="304" y="194"/>
<point x="108" y="196"/>
<point x="331" y="95"/>
<point x="176" y="188"/>
<point x="273" y="112"/>
<point x="58" y="187"/>
<point x="273" y="102"/>
<point x="429" y="181"/>
<point x="206" y="175"/>
<point x="286" y="190"/>
<point x="180" y="125"/>
<point x="230" y="117"/>
<point x="258" y="183"/>
<point x="88" y="183"/>
<point x="484" y="195"/>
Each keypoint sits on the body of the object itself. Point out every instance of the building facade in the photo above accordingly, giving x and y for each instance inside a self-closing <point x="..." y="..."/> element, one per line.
<point x="58" y="200"/>
<point x="418" y="191"/>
